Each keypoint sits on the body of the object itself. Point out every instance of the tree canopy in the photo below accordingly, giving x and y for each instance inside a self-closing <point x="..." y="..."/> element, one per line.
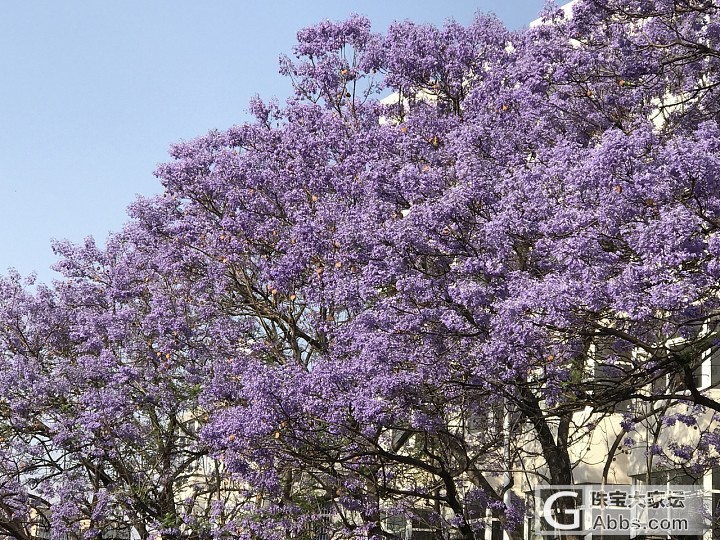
<point x="358" y="308"/>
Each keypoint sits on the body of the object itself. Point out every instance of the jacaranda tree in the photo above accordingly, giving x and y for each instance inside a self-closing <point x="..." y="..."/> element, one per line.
<point x="380" y="310"/>
<point x="100" y="385"/>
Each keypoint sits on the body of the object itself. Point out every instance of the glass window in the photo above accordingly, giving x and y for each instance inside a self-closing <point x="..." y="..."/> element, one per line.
<point x="715" y="367"/>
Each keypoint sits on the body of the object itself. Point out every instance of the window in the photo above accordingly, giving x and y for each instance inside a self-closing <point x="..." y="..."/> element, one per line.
<point x="676" y="382"/>
<point x="425" y="525"/>
<point x="705" y="375"/>
<point x="488" y="419"/>
<point x="396" y="525"/>
<point x="610" y="363"/>
<point x="41" y="527"/>
<point x="713" y="369"/>
<point x="320" y="528"/>
<point x="674" y="477"/>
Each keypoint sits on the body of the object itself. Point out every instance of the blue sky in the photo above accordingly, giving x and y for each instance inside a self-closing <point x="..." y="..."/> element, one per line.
<point x="93" y="93"/>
